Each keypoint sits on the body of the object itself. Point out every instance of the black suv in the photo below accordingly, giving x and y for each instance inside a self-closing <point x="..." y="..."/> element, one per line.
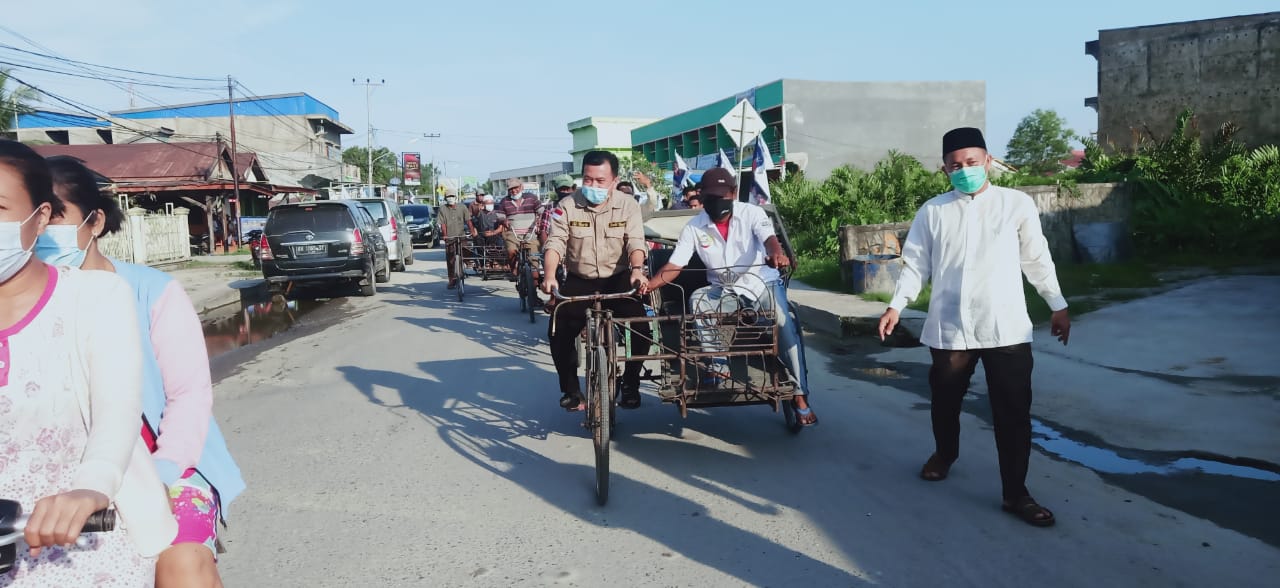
<point x="329" y="241"/>
<point x="421" y="219"/>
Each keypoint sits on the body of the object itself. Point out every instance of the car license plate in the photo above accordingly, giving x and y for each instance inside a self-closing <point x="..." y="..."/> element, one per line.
<point x="305" y="250"/>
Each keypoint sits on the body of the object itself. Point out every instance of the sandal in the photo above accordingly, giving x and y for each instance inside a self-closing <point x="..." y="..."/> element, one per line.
<point x="805" y="417"/>
<point x="1031" y="513"/>
<point x="936" y="469"/>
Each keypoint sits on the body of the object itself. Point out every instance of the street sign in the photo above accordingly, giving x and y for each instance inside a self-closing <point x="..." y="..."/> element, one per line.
<point x="743" y="124"/>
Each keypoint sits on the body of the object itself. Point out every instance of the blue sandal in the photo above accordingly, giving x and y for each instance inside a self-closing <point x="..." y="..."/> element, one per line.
<point x="804" y="416"/>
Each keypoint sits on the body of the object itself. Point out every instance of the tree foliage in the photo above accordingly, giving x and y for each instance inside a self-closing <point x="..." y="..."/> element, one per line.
<point x="15" y="99"/>
<point x="628" y="165"/>
<point x="385" y="163"/>
<point x="1040" y="143"/>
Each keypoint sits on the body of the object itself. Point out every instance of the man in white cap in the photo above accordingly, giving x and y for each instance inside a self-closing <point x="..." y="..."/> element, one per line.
<point x="974" y="244"/>
<point x="488" y="224"/>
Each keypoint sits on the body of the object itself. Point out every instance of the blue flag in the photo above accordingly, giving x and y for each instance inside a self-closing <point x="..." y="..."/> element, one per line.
<point x="761" y="163"/>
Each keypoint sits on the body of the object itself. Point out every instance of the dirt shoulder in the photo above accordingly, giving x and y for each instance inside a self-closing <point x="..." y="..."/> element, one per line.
<point x="212" y="284"/>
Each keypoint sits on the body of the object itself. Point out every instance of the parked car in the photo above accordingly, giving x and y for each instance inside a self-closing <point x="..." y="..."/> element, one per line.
<point x="423" y="226"/>
<point x="394" y="230"/>
<point x="254" y="239"/>
<point x="329" y="241"/>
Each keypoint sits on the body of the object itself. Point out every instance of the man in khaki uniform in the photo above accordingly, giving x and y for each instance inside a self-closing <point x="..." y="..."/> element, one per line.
<point x="599" y="235"/>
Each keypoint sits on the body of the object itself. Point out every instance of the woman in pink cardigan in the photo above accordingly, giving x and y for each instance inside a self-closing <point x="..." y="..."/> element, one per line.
<point x="187" y="446"/>
<point x="70" y="395"/>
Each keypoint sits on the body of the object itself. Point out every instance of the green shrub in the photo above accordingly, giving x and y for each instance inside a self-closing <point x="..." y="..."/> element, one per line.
<point x="1196" y="196"/>
<point x="891" y="192"/>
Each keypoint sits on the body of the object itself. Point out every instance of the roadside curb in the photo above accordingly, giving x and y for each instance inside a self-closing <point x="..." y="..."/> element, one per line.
<point x="236" y="291"/>
<point x="848" y="316"/>
<point x="847" y="327"/>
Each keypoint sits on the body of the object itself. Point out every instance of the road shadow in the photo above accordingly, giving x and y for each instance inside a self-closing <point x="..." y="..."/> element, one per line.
<point x="494" y="411"/>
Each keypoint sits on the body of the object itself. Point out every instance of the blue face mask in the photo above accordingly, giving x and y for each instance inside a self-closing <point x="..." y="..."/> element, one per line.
<point x="969" y="179"/>
<point x="595" y="195"/>
<point x="60" y="245"/>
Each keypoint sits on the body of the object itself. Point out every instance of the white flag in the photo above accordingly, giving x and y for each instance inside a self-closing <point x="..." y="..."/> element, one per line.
<point x="679" y="176"/>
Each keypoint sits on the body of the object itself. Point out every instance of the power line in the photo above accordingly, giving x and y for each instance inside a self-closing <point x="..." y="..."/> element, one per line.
<point x="79" y="65"/>
<point x="275" y="114"/>
<point x="102" y="78"/>
<point x="98" y="114"/>
<point x="85" y="63"/>
<point x="514" y="137"/>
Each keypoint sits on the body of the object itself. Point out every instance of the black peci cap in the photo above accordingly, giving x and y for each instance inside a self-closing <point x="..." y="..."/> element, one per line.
<point x="962" y="138"/>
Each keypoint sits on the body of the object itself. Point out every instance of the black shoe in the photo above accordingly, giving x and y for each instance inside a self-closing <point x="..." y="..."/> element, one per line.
<point x="570" y="401"/>
<point x="629" y="397"/>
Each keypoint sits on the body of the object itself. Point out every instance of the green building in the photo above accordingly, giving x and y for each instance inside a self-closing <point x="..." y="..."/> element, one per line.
<point x="819" y="126"/>
<point x="605" y="133"/>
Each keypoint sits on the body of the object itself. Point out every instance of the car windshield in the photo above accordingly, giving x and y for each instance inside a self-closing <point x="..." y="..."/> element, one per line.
<point x="420" y="212"/>
<point x="378" y="210"/>
<point x="320" y="217"/>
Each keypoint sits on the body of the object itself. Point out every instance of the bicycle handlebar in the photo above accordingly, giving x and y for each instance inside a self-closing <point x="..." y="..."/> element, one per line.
<point x="592" y="297"/>
<point x="13" y="522"/>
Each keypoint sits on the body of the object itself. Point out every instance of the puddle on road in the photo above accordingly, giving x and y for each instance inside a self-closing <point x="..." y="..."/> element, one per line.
<point x="1106" y="461"/>
<point x="1238" y="494"/>
<point x="253" y="323"/>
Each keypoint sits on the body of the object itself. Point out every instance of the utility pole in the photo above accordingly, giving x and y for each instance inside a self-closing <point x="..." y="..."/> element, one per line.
<point x="235" y="174"/>
<point x="368" y="105"/>
<point x="435" y="198"/>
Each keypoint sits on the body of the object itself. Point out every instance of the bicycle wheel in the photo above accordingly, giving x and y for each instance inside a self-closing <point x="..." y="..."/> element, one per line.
<point x="530" y="300"/>
<point x="522" y="289"/>
<point x="460" y="272"/>
<point x="601" y="415"/>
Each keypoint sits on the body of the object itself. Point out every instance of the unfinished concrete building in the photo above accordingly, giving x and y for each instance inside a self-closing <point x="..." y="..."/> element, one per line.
<point x="1225" y="69"/>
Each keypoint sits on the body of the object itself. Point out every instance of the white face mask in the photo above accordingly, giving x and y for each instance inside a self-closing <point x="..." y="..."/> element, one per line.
<point x="13" y="254"/>
<point x="60" y="244"/>
<point x="450" y="201"/>
<point x="488" y="207"/>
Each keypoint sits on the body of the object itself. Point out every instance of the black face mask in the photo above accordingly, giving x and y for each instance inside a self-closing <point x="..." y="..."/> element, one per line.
<point x="717" y="208"/>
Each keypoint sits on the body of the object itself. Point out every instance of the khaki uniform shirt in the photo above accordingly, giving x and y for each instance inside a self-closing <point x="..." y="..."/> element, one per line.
<point x="596" y="243"/>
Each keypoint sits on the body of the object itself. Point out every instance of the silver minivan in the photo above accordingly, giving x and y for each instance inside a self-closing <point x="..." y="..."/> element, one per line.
<point x="394" y="230"/>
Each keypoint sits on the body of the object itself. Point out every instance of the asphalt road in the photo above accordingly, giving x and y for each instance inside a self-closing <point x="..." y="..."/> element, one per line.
<point x="412" y="440"/>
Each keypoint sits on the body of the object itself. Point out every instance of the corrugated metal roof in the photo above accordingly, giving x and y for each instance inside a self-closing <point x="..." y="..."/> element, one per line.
<point x="170" y="162"/>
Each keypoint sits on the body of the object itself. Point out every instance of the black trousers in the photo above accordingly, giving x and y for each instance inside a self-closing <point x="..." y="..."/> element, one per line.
<point x="571" y="318"/>
<point x="1008" y="372"/>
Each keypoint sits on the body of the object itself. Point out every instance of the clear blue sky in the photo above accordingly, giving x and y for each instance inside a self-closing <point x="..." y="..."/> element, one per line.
<point x="500" y="79"/>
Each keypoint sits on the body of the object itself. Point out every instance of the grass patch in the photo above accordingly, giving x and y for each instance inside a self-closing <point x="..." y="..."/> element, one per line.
<point x="244" y="266"/>
<point x="820" y="272"/>
<point x="921" y="303"/>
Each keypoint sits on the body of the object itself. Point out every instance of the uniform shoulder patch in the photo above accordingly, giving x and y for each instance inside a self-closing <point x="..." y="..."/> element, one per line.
<point x="557" y="212"/>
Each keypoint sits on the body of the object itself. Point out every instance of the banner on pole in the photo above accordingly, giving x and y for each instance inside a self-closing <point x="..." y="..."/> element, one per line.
<point x="412" y="169"/>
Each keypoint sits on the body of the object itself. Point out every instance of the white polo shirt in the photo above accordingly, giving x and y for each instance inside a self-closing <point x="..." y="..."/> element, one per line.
<point x="749" y="228"/>
<point x="975" y="249"/>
